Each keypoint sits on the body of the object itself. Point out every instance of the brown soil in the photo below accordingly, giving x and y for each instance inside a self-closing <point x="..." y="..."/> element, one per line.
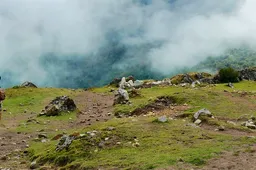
<point x="161" y="103"/>
<point x="94" y="107"/>
<point x="239" y="160"/>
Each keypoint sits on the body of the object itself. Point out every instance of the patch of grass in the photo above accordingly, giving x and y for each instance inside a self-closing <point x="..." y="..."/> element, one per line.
<point x="213" y="98"/>
<point x="22" y="103"/>
<point x="161" y="145"/>
<point x="32" y="99"/>
<point x="148" y="95"/>
<point x="47" y="123"/>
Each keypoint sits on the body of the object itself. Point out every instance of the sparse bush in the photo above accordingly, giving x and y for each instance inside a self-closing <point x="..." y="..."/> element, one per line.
<point x="228" y="75"/>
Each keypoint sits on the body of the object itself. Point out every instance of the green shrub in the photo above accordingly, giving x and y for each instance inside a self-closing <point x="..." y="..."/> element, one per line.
<point x="228" y="75"/>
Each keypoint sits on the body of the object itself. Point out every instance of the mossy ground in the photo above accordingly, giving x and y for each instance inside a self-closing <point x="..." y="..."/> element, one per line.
<point x="160" y="144"/>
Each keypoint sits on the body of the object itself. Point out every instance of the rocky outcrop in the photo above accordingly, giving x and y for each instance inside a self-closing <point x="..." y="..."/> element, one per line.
<point x="251" y="123"/>
<point x="121" y="97"/>
<point x="65" y="142"/>
<point x="116" y="82"/>
<point x="248" y="74"/>
<point x="191" y="77"/>
<point x="28" y="84"/>
<point x="202" y="112"/>
<point x="58" y="105"/>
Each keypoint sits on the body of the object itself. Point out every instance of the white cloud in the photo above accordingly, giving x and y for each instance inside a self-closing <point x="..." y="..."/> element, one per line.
<point x="188" y="31"/>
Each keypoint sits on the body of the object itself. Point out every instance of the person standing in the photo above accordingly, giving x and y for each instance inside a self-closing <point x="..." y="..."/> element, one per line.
<point x="2" y="97"/>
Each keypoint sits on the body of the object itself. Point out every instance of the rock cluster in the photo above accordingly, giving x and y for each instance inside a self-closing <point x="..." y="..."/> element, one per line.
<point x="248" y="74"/>
<point x="116" y="81"/>
<point x="191" y="78"/>
<point x="58" y="105"/>
<point x="251" y="123"/>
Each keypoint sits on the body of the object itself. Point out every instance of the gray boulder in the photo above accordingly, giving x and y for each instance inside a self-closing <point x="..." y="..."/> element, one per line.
<point x="122" y="83"/>
<point x="64" y="142"/>
<point x="121" y="97"/>
<point x="58" y="105"/>
<point x="202" y="112"/>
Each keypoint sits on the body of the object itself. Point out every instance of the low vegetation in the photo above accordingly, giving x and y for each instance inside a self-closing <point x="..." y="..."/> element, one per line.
<point x="138" y="141"/>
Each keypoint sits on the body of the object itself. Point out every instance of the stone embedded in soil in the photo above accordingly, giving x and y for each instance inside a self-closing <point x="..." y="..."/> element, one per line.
<point x="198" y="122"/>
<point x="249" y="124"/>
<point x="220" y="128"/>
<point x="162" y="119"/>
<point x="64" y="142"/>
<point x="202" y="112"/>
<point x="33" y="165"/>
<point x="42" y="136"/>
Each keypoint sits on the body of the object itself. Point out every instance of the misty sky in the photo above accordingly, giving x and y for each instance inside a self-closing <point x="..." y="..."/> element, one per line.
<point x="185" y="31"/>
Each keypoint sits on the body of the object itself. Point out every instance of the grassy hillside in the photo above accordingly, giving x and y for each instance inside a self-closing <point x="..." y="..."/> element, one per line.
<point x="138" y="142"/>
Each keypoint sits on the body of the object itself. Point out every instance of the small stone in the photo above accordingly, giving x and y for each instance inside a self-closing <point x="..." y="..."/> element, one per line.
<point x="17" y="150"/>
<point x="42" y="136"/>
<point x="221" y="128"/>
<point x="33" y="165"/>
<point x="198" y="122"/>
<point x="180" y="160"/>
<point x="111" y="128"/>
<point x="101" y="145"/>
<point x="162" y="119"/>
<point x="118" y="143"/>
<point x="231" y="122"/>
<point x="43" y="140"/>
<point x="136" y="144"/>
<point x="92" y="134"/>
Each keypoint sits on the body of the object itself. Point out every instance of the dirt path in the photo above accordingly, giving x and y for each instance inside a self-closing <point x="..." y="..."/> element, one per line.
<point x="239" y="160"/>
<point x="94" y="107"/>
